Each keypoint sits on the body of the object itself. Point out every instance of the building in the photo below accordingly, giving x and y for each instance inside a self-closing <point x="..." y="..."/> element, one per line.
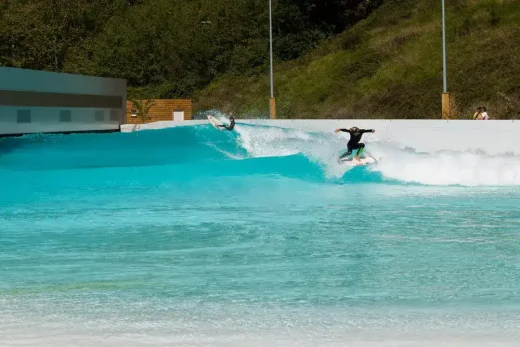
<point x="47" y="102"/>
<point x="161" y="110"/>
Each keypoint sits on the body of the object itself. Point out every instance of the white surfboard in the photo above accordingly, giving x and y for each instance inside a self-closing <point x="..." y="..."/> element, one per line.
<point x="362" y="161"/>
<point x="215" y="122"/>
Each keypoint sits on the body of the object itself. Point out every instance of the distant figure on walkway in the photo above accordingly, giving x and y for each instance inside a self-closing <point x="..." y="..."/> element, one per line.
<point x="481" y="114"/>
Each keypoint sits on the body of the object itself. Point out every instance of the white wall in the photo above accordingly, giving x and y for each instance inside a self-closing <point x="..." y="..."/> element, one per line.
<point x="493" y="137"/>
<point x="47" y="119"/>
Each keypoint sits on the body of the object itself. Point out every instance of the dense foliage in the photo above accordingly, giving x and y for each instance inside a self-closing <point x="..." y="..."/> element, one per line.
<point x="170" y="47"/>
<point x="390" y="66"/>
<point x="333" y="58"/>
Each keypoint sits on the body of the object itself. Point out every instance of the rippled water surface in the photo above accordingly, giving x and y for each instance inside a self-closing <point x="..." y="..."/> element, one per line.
<point x="196" y="237"/>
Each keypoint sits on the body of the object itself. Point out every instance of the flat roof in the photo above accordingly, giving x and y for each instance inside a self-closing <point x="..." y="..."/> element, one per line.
<point x="15" y="79"/>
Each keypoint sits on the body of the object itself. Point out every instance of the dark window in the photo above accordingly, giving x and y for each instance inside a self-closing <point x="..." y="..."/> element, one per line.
<point x="114" y="115"/>
<point x="43" y="99"/>
<point x="100" y="116"/>
<point x="65" y="116"/>
<point x="23" y="116"/>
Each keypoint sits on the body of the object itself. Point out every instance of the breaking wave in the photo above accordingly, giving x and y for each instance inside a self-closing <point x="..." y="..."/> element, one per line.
<point x="198" y="151"/>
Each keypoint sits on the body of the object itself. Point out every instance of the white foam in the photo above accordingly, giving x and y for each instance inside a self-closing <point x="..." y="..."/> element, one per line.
<point x="323" y="149"/>
<point x="395" y="162"/>
<point x="270" y="142"/>
<point x="229" y="324"/>
<point x="447" y="168"/>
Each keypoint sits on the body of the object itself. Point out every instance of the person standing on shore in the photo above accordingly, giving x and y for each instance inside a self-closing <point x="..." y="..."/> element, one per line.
<point x="481" y="114"/>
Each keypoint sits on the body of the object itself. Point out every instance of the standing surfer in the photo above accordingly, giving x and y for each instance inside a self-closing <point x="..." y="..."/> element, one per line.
<point x="353" y="143"/>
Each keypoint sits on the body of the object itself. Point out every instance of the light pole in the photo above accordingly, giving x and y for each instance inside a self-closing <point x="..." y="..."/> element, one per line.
<point x="272" y="104"/>
<point x="444" y="48"/>
<point x="445" y="95"/>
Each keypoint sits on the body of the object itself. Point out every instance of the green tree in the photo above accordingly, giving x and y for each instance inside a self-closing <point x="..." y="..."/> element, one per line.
<point x="164" y="48"/>
<point x="143" y="108"/>
<point x="39" y="34"/>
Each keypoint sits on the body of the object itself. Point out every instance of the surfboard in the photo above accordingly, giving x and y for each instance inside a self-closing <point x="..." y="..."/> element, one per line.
<point x="362" y="161"/>
<point x="215" y="122"/>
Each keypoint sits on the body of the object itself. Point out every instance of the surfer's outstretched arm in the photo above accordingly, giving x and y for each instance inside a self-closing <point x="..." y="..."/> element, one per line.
<point x="360" y="130"/>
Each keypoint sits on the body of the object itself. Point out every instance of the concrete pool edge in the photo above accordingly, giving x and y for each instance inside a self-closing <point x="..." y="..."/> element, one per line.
<point x="491" y="137"/>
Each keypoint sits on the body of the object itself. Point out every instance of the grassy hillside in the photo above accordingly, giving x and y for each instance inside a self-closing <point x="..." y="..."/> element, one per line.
<point x="390" y="66"/>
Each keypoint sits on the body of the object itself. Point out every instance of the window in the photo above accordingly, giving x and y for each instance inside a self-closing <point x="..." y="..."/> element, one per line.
<point x="100" y="116"/>
<point x="23" y="116"/>
<point x="114" y="115"/>
<point x="65" y="116"/>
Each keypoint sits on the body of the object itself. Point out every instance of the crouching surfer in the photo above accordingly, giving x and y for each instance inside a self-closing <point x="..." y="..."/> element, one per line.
<point x="353" y="143"/>
<point x="231" y="125"/>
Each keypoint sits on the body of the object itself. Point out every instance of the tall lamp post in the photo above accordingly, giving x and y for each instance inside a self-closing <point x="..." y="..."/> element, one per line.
<point x="445" y="95"/>
<point x="272" y="103"/>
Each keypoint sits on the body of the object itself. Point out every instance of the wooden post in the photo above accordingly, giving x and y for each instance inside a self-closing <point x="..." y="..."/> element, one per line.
<point x="272" y="108"/>
<point x="446" y="107"/>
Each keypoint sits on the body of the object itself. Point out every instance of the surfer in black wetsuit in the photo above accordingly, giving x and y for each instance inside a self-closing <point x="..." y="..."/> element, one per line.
<point x="353" y="143"/>
<point x="231" y="125"/>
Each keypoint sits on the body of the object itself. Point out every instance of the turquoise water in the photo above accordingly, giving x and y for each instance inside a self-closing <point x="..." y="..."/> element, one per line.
<point x="195" y="237"/>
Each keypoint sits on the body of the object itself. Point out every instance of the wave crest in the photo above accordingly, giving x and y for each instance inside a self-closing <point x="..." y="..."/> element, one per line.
<point x="199" y="151"/>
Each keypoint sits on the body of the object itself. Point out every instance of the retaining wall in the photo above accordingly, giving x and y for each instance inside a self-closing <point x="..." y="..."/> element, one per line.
<point x="492" y="137"/>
